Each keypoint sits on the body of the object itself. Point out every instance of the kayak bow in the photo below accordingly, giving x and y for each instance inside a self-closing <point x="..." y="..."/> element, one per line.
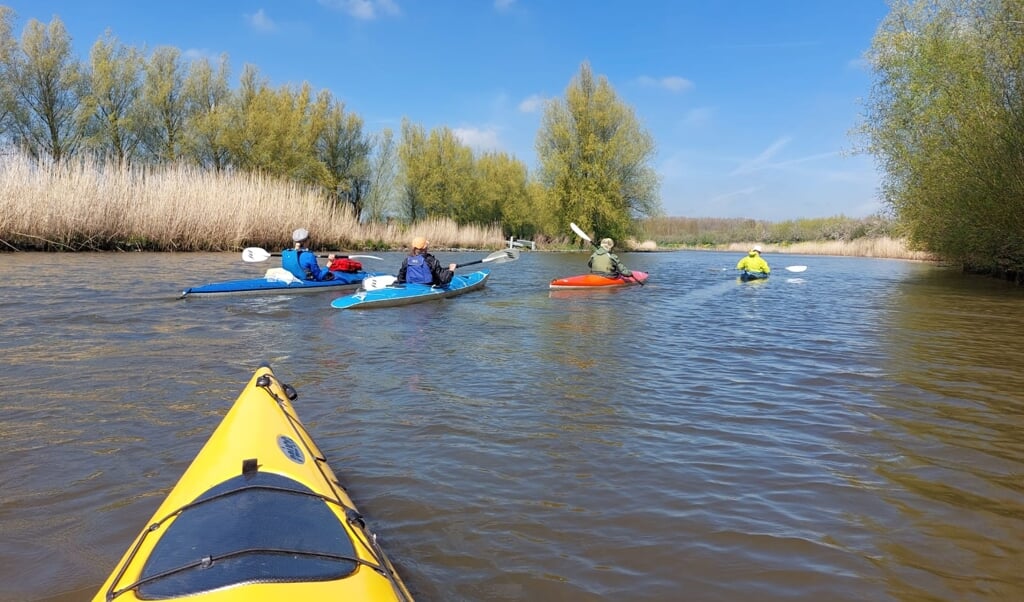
<point x="257" y="516"/>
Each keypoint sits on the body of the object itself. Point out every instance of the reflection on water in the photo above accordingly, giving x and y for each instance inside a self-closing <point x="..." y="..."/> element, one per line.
<point x="849" y="434"/>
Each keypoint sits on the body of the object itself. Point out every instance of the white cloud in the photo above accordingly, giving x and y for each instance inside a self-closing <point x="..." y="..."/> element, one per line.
<point x="260" y="21"/>
<point x="503" y="4"/>
<point x="672" y="83"/>
<point x="479" y="139"/>
<point x="531" y="104"/>
<point x="366" y="10"/>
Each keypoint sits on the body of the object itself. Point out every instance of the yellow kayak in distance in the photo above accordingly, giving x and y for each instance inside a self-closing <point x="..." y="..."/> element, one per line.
<point x="258" y="516"/>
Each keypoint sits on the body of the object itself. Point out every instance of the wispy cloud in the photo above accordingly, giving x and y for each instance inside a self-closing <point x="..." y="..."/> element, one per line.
<point x="503" y="4"/>
<point x="260" y="21"/>
<point x="859" y="64"/>
<point x="697" y="117"/>
<point x="366" y="10"/>
<point x="672" y="83"/>
<point x="531" y="104"/>
<point x="761" y="160"/>
<point x="728" y="196"/>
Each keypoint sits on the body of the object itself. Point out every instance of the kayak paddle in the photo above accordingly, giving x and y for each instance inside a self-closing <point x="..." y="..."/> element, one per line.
<point x="256" y="254"/>
<point x="579" y="232"/>
<point x="788" y="268"/>
<point x="495" y="257"/>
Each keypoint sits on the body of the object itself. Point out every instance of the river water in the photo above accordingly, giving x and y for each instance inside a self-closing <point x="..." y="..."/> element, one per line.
<point x="852" y="432"/>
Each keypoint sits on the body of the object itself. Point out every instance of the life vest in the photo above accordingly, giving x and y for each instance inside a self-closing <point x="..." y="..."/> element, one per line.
<point x="290" y="262"/>
<point x="417" y="271"/>
<point x="344" y="264"/>
<point x="601" y="262"/>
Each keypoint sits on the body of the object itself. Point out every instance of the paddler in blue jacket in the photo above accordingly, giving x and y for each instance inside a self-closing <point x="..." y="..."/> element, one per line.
<point x="604" y="262"/>
<point x="754" y="263"/>
<point x="420" y="267"/>
<point x="302" y="262"/>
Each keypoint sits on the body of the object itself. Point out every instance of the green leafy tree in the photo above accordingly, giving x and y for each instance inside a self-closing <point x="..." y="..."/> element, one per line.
<point x="165" y="104"/>
<point x="448" y="185"/>
<point x="383" y="176"/>
<point x="210" y="100"/>
<point x="945" y="121"/>
<point x="275" y="131"/>
<point x="47" y="87"/>
<point x="8" y="50"/>
<point x="115" y="78"/>
<point x="345" y="152"/>
<point x="413" y="171"/>
<point x="594" y="159"/>
<point x="503" y="194"/>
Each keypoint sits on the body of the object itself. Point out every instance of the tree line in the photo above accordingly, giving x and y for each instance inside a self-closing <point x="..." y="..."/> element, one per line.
<point x="946" y="121"/>
<point x="131" y="106"/>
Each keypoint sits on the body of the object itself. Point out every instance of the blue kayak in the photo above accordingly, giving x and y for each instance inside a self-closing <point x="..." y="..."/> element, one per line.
<point x="746" y="276"/>
<point x="278" y="281"/>
<point x="406" y="294"/>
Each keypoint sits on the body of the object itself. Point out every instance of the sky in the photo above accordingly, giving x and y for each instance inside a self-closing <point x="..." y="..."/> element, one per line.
<point x="751" y="103"/>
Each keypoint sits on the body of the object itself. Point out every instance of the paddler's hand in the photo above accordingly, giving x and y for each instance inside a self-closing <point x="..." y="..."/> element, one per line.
<point x="451" y="267"/>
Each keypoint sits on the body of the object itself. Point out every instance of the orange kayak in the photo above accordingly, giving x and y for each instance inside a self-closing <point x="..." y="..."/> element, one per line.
<point x="597" y="281"/>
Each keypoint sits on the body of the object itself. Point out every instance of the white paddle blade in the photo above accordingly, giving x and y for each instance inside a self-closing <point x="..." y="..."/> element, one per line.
<point x="502" y="256"/>
<point x="255" y="254"/>
<point x="796" y="268"/>
<point x="372" y="283"/>
<point x="579" y="232"/>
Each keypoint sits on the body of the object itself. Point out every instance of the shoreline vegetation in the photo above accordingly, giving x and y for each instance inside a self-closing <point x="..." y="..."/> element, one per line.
<point x="92" y="206"/>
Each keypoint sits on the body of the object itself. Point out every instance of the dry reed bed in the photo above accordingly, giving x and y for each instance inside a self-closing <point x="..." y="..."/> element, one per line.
<point x="101" y="206"/>
<point x="883" y="247"/>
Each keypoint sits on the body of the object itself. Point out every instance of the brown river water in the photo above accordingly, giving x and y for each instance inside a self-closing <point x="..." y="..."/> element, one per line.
<point x="851" y="432"/>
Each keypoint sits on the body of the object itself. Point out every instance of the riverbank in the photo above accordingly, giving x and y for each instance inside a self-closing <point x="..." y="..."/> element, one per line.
<point x="92" y="207"/>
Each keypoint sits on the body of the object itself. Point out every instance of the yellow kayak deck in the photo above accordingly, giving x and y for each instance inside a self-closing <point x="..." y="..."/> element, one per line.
<point x="258" y="516"/>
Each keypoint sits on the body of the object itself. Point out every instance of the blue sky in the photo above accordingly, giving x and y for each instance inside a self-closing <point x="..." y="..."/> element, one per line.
<point x="750" y="102"/>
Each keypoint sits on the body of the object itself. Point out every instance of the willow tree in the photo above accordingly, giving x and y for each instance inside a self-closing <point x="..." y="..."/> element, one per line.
<point x="209" y="118"/>
<point x="274" y="131"/>
<point x="115" y="84"/>
<point x="946" y="121"/>
<point x="47" y="84"/>
<point x="8" y="48"/>
<point x="595" y="159"/>
<point x="439" y="174"/>
<point x="383" y="176"/>
<point x="165" y="103"/>
<point x="344" y="150"/>
<point x="503" y="194"/>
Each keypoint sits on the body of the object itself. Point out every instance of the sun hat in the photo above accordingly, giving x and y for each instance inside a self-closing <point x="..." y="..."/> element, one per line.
<point x="419" y="243"/>
<point x="300" y="235"/>
<point x="757" y="248"/>
<point x="607" y="243"/>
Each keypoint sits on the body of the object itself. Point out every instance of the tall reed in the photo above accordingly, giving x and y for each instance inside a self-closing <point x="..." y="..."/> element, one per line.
<point x="94" y="205"/>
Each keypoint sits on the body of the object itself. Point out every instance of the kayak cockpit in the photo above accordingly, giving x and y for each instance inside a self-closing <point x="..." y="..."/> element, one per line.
<point x="256" y="527"/>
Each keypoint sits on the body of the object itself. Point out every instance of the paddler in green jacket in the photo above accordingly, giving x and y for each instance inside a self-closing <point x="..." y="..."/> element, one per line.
<point x="604" y="262"/>
<point x="753" y="262"/>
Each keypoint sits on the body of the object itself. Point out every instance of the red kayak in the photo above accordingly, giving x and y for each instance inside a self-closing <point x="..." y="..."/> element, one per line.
<point x="597" y="281"/>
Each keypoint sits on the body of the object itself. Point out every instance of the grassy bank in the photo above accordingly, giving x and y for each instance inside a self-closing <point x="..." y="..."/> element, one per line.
<point x="96" y="207"/>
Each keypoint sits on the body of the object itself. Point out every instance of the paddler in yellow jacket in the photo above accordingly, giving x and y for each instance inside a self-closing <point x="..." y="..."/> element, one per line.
<point x="754" y="263"/>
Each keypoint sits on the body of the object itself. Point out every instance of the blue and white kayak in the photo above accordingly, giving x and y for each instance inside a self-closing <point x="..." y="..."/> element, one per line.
<point x="406" y="294"/>
<point x="279" y="281"/>
<point x="746" y="276"/>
